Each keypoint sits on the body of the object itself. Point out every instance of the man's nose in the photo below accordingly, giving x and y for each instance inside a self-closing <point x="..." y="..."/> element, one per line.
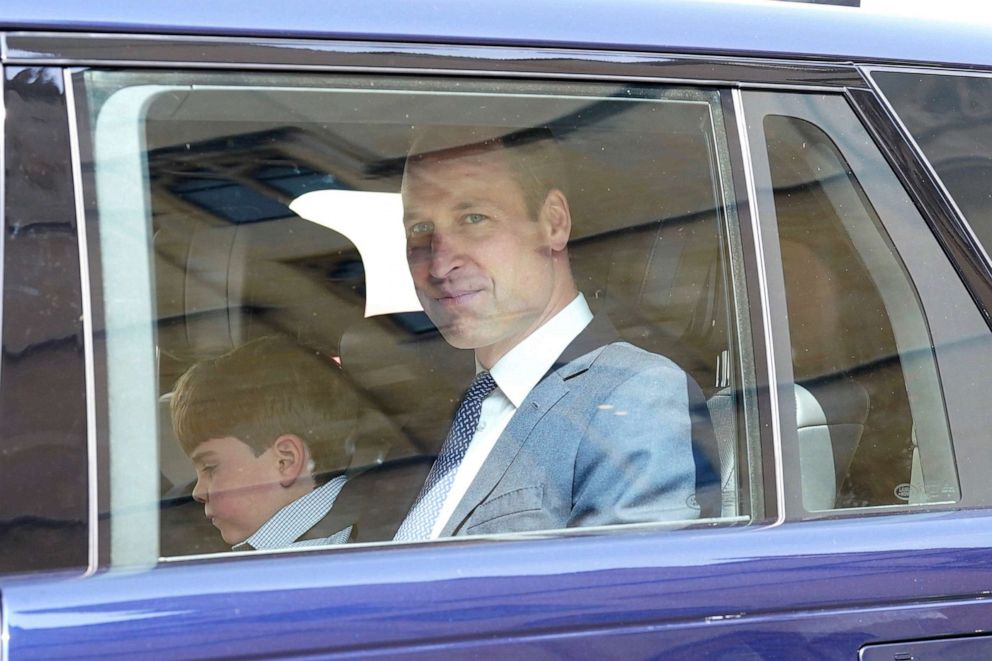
<point x="446" y="255"/>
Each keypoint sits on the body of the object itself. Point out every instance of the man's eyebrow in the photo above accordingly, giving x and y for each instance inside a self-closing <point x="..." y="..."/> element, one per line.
<point x="475" y="204"/>
<point x="411" y="216"/>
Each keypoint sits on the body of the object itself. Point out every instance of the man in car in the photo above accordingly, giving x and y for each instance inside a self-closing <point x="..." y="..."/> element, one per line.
<point x="564" y="425"/>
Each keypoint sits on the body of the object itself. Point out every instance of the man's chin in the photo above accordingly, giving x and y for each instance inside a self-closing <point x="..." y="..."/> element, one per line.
<point x="459" y="339"/>
<point x="461" y="335"/>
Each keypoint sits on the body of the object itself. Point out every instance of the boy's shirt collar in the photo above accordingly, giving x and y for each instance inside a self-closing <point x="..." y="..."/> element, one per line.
<point x="288" y="524"/>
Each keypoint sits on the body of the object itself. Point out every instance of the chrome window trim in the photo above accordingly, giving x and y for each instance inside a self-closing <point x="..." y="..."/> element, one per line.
<point x="4" y="631"/>
<point x="938" y="70"/>
<point x="4" y="614"/>
<point x="3" y="206"/>
<point x="759" y="255"/>
<point x="350" y="55"/>
<point x="87" y="308"/>
<point x="868" y="71"/>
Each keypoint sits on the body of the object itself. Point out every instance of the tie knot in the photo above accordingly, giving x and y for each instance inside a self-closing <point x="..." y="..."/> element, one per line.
<point x="481" y="386"/>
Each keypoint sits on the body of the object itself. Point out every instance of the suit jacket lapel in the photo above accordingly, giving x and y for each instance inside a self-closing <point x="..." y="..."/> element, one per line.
<point x="537" y="404"/>
<point x="575" y="359"/>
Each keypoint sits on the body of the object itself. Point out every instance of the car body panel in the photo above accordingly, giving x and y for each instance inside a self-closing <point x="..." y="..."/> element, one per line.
<point x="812" y="589"/>
<point x="768" y="29"/>
<point x="833" y="585"/>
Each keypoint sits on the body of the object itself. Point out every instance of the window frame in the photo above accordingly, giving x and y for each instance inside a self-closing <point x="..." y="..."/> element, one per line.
<point x="66" y="49"/>
<point x="60" y="288"/>
<point x="138" y="548"/>
<point x="964" y="225"/>
<point x="973" y="490"/>
<point x="925" y="189"/>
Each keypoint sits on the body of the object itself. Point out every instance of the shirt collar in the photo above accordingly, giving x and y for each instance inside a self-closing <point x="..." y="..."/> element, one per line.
<point x="517" y="372"/>
<point x="294" y="519"/>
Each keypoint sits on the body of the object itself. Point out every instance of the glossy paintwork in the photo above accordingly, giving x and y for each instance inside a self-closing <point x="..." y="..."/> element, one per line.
<point x="171" y="51"/>
<point x="810" y="590"/>
<point x="689" y="26"/>
<point x="828" y="586"/>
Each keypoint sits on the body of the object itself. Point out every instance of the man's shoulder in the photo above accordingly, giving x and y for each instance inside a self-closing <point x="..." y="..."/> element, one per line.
<point x="621" y="365"/>
<point x="626" y="356"/>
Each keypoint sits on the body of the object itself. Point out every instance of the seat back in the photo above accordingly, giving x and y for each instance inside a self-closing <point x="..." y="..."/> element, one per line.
<point x="830" y="416"/>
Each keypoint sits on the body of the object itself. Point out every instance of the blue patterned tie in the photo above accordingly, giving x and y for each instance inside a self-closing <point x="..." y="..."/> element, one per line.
<point x="420" y="521"/>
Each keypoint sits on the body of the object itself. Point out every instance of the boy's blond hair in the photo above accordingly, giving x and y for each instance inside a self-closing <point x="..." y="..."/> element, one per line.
<point x="262" y="390"/>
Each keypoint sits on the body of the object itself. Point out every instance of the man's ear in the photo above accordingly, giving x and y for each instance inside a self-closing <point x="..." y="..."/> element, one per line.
<point x="292" y="456"/>
<point x="556" y="214"/>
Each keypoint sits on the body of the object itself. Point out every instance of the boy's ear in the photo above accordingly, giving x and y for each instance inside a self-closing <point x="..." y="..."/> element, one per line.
<point x="291" y="453"/>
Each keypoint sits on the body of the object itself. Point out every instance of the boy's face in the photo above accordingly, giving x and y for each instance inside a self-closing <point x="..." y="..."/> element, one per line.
<point x="239" y="491"/>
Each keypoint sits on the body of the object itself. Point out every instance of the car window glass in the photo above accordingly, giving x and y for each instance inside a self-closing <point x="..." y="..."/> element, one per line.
<point x="950" y="118"/>
<point x="871" y="426"/>
<point x="264" y="214"/>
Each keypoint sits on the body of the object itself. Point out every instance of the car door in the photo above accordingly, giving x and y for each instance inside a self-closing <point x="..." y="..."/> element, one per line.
<point x="765" y="236"/>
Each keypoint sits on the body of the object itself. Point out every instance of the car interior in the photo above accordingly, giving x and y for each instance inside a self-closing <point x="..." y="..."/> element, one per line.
<point x="233" y="263"/>
<point x="855" y="422"/>
<point x="649" y="249"/>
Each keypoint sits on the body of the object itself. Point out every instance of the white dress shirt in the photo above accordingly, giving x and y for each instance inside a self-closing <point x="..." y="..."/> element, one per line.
<point x="516" y="374"/>
<point x="289" y="523"/>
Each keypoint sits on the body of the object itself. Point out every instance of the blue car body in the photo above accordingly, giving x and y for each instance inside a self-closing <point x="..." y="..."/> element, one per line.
<point x="826" y="587"/>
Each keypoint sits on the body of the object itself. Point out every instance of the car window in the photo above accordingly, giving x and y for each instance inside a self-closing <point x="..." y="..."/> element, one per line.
<point x="43" y="440"/>
<point x="270" y="214"/>
<point x="949" y="115"/>
<point x="869" y="300"/>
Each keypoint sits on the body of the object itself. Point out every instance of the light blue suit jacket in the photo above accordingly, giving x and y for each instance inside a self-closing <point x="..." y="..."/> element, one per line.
<point x="605" y="438"/>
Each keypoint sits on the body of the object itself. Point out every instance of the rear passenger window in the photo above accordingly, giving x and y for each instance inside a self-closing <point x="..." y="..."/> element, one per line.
<point x="866" y="326"/>
<point x="949" y="115"/>
<point x="850" y="303"/>
<point x="265" y="215"/>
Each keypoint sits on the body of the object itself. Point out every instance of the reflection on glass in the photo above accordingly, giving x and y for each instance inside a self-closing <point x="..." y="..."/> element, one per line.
<point x="374" y="223"/>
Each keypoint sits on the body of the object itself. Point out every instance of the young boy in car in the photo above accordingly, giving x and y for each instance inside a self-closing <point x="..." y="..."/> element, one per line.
<point x="270" y="429"/>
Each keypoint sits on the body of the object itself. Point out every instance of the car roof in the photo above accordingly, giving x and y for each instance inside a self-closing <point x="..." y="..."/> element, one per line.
<point x="765" y="28"/>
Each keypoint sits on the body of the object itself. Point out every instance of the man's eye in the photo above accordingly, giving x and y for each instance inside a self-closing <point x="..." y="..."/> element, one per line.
<point x="419" y="229"/>
<point x="474" y="218"/>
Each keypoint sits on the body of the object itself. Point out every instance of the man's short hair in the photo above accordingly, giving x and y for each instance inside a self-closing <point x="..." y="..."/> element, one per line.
<point x="262" y="390"/>
<point x="533" y="154"/>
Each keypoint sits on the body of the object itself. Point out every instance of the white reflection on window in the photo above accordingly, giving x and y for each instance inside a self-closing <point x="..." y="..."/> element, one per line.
<point x="374" y="223"/>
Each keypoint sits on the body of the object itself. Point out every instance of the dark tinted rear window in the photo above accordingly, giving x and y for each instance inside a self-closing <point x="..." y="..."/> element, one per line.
<point x="950" y="117"/>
